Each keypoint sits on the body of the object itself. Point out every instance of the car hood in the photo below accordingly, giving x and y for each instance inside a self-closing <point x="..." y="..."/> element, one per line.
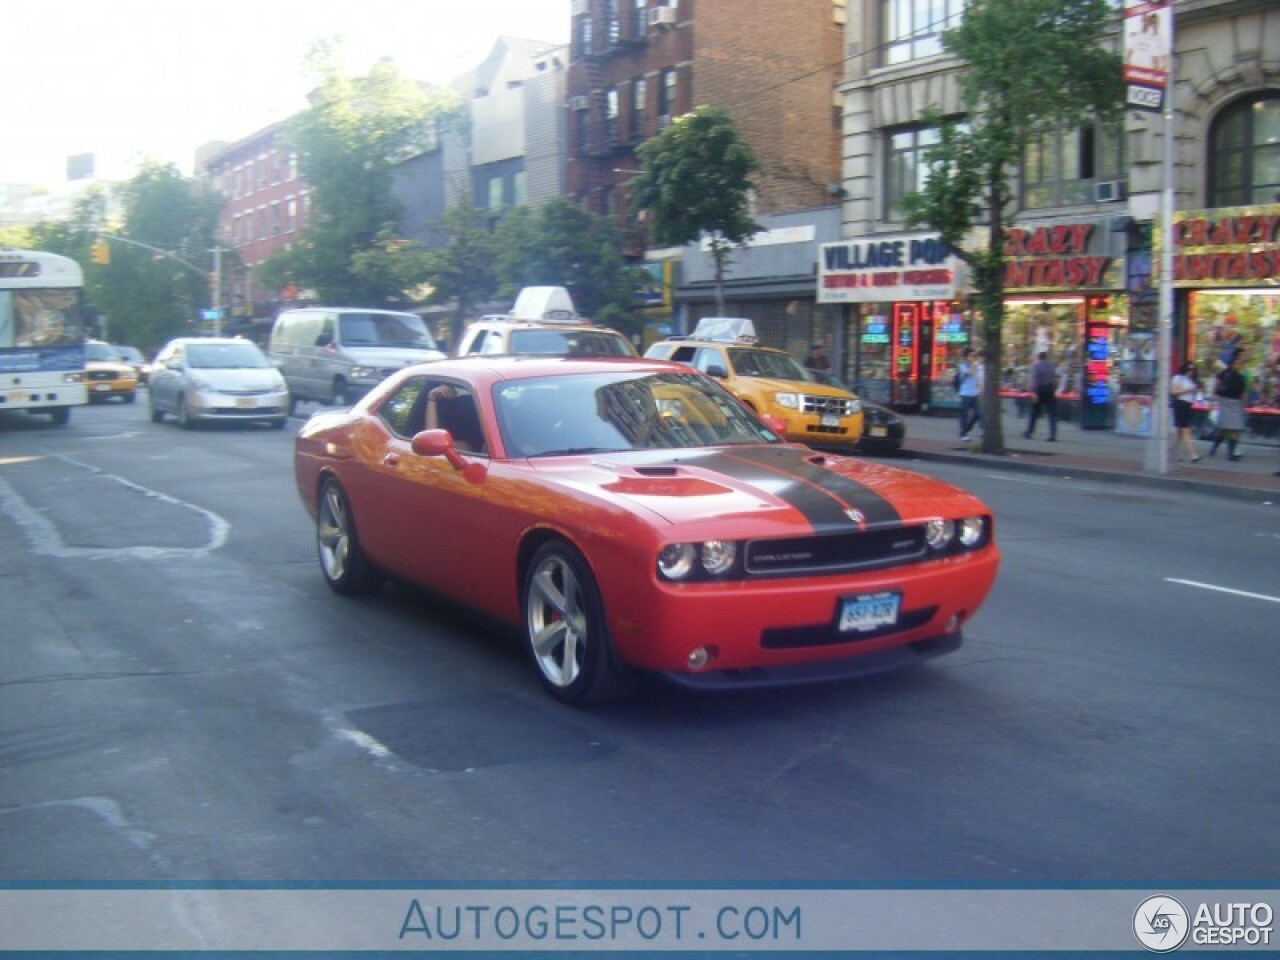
<point x="234" y="379"/>
<point x="798" y="386"/>
<point x="391" y="356"/>
<point x="769" y="489"/>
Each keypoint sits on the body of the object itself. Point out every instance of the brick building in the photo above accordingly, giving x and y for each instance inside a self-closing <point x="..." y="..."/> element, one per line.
<point x="773" y="64"/>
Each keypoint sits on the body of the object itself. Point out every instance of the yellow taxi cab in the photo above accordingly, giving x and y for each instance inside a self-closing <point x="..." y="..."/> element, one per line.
<point x="543" y="322"/>
<point x="107" y="374"/>
<point x="769" y="381"/>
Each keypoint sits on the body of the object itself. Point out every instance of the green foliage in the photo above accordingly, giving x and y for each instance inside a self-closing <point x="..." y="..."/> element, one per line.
<point x="1031" y="66"/>
<point x="564" y="245"/>
<point x="355" y="131"/>
<point x="697" y="180"/>
<point x="464" y="269"/>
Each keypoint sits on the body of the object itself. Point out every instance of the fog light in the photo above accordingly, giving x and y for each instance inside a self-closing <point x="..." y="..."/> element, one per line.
<point x="700" y="658"/>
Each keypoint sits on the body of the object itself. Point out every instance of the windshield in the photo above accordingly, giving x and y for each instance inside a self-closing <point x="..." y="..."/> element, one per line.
<point x="40" y="318"/>
<point x="131" y="354"/>
<point x="384" y="330"/>
<point x="571" y="343"/>
<point x="765" y="363"/>
<point x="226" y="356"/>
<point x="101" y="352"/>
<point x="603" y="412"/>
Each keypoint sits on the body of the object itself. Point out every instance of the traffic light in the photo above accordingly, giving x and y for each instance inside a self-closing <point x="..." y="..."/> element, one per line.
<point x="100" y="252"/>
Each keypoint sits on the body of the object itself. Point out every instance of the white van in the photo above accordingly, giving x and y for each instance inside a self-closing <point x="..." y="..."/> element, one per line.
<point x="337" y="354"/>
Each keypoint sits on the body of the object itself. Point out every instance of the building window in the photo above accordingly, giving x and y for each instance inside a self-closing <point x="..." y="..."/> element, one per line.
<point x="611" y="114"/>
<point x="636" y="128"/>
<point x="495" y="193"/>
<point x="913" y="28"/>
<point x="666" y="96"/>
<point x="640" y="19"/>
<point x="520" y="188"/>
<point x="290" y="215"/>
<point x="1244" y="153"/>
<point x="612" y="24"/>
<point x="580" y="125"/>
<point x="582" y="35"/>
<point x="275" y="219"/>
<point x="906" y="169"/>
<point x="1061" y="167"/>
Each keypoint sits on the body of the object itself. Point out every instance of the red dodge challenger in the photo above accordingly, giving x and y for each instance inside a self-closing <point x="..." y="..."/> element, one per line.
<point x="631" y="516"/>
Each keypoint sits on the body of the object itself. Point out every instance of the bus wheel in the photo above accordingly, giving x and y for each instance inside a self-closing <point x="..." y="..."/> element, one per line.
<point x="61" y="416"/>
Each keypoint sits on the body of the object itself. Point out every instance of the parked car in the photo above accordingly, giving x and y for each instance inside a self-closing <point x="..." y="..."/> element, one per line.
<point x="335" y="354"/>
<point x="543" y="321"/>
<point x="107" y="374"/>
<point x="216" y="378"/>
<point x="633" y="516"/>
<point x="883" y="431"/>
<point x="133" y="356"/>
<point x="769" y="381"/>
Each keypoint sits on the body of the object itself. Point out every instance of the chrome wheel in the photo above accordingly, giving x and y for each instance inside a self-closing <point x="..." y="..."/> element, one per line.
<point x="341" y="560"/>
<point x="565" y="628"/>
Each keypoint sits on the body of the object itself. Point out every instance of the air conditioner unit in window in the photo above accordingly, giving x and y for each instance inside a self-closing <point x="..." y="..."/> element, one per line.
<point x="1108" y="191"/>
<point x="662" y="17"/>
<point x="578" y="103"/>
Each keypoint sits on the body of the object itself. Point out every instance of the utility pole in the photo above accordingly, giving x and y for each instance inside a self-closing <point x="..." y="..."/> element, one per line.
<point x="217" y="289"/>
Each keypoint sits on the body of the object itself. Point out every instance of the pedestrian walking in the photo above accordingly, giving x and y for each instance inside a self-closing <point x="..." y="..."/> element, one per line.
<point x="1044" y="384"/>
<point x="969" y="389"/>
<point x="1183" y="390"/>
<point x="1231" y="389"/>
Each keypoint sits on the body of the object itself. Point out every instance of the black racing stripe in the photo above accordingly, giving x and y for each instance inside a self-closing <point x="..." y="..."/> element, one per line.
<point x="821" y="495"/>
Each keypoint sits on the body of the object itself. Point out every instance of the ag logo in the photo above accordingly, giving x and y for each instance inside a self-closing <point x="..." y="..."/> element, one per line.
<point x="1161" y="924"/>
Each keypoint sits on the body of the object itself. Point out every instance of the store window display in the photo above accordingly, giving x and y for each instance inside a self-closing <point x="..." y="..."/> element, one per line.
<point x="1222" y="322"/>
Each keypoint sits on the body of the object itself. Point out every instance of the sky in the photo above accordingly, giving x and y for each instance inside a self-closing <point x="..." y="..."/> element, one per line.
<point x="155" y="79"/>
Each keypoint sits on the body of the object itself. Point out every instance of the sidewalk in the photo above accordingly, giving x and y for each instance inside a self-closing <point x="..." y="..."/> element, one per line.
<point x="1099" y="455"/>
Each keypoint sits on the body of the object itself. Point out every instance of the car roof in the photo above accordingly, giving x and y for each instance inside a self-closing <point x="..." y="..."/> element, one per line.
<point x="710" y="342"/>
<point x="213" y="340"/>
<point x="507" y="367"/>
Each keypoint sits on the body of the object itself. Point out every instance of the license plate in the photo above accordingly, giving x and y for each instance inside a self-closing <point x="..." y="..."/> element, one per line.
<point x="869" y="611"/>
<point x="829" y="420"/>
<point x="878" y="432"/>
<point x="243" y="402"/>
<point x="102" y="387"/>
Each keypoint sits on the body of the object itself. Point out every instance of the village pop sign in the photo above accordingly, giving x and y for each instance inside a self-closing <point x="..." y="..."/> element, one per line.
<point x="884" y="269"/>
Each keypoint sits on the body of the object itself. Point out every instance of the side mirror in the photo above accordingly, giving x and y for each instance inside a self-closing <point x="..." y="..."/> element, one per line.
<point x="439" y="443"/>
<point x="717" y="371"/>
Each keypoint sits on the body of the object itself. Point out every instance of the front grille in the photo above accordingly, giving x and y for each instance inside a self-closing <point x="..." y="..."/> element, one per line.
<point x="834" y="552"/>
<point x="828" y="406"/>
<point x="256" y="392"/>
<point x="101" y="375"/>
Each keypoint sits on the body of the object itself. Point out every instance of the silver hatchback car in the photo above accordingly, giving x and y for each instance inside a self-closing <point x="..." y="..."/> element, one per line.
<point x="216" y="378"/>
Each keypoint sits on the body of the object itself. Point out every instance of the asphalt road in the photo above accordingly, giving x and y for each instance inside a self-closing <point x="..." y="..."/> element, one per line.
<point x="183" y="699"/>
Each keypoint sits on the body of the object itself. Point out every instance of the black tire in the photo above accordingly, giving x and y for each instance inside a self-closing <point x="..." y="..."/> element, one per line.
<point x="278" y="423"/>
<point x="342" y="561"/>
<point x="293" y="404"/>
<point x="185" y="420"/>
<point x="342" y="396"/>
<point x="566" y="632"/>
<point x="130" y="397"/>
<point x="60" y="416"/>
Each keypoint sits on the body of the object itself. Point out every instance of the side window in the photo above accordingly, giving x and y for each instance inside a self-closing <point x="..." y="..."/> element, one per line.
<point x="683" y="354"/>
<point x="711" y="362"/>
<point x="477" y="343"/>
<point x="404" y="411"/>
<point x="492" y="343"/>
<point x="452" y="407"/>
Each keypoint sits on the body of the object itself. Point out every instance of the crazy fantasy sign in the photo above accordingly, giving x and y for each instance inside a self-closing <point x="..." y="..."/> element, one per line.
<point x="1057" y="256"/>
<point x="884" y="269"/>
<point x="1227" y="247"/>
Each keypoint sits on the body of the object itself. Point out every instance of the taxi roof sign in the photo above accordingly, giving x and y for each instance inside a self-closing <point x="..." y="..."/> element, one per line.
<point x="724" y="328"/>
<point x="545" y="305"/>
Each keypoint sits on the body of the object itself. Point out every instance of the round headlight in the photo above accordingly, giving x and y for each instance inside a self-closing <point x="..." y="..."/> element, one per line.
<point x="789" y="400"/>
<point x="939" y="533"/>
<point x="675" y="560"/>
<point x="971" y="530"/>
<point x="855" y="405"/>
<point x="718" y="556"/>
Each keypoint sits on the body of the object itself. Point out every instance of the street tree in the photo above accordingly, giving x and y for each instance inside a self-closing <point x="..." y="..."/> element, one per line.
<point x="357" y="129"/>
<point x="563" y="244"/>
<point x="1031" y="67"/>
<point x="696" y="181"/>
<point x="462" y="271"/>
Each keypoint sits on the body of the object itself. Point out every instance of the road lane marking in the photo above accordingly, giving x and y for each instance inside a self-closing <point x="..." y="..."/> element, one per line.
<point x="1210" y="586"/>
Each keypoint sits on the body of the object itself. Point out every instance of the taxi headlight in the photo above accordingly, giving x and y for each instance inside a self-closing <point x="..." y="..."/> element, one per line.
<point x="855" y="405"/>
<point x="939" y="533"/>
<point x="971" y="531"/>
<point x="789" y="400"/>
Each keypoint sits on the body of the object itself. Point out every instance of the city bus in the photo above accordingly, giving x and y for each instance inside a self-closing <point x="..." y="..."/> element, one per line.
<point x="42" y="333"/>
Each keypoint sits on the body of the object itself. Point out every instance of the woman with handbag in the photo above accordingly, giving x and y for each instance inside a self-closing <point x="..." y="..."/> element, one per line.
<point x="1183" y="389"/>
